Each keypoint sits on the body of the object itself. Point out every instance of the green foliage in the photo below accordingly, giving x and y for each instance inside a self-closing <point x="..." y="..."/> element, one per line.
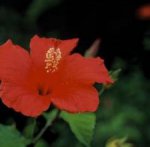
<point x="124" y="110"/>
<point x="41" y="143"/>
<point x="30" y="128"/>
<point x="39" y="6"/>
<point x="10" y="137"/>
<point x="82" y="125"/>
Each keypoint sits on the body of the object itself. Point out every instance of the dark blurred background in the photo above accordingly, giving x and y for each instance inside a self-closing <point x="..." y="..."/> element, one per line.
<point x="125" y="43"/>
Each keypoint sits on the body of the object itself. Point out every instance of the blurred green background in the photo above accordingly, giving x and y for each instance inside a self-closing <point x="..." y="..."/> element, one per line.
<point x="124" y="109"/>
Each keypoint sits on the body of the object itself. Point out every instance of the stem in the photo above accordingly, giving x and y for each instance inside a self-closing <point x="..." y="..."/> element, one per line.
<point x="40" y="134"/>
<point x="48" y="124"/>
<point x="102" y="90"/>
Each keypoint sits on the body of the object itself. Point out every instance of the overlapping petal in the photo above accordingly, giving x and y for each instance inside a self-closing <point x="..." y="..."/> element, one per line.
<point x="15" y="62"/>
<point x="66" y="46"/>
<point x="19" y="88"/>
<point x="24" y="100"/>
<point x="75" y="98"/>
<point x="27" y="88"/>
<point x="77" y="69"/>
<point x="76" y="76"/>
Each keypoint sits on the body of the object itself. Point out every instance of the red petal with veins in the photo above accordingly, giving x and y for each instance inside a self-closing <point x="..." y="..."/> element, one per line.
<point x="26" y="101"/>
<point x="66" y="46"/>
<point x="15" y="62"/>
<point x="76" y="76"/>
<point x="76" y="98"/>
<point x="20" y="86"/>
<point x="76" y="68"/>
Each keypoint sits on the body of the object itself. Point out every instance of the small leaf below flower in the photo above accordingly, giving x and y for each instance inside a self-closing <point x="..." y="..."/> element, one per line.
<point x="82" y="125"/>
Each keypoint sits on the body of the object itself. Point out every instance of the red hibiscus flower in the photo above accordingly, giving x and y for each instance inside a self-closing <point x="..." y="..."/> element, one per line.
<point x="49" y="74"/>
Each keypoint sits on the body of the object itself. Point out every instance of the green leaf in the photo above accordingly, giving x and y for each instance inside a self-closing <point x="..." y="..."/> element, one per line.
<point x="50" y="116"/>
<point x="82" y="125"/>
<point x="30" y="128"/>
<point x="10" y="137"/>
<point x="41" y="143"/>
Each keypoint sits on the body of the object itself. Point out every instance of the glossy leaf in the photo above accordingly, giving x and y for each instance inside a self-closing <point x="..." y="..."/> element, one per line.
<point x="82" y="125"/>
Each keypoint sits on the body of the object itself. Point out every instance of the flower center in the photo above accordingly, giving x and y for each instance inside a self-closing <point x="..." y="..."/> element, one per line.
<point x="52" y="59"/>
<point x="43" y="92"/>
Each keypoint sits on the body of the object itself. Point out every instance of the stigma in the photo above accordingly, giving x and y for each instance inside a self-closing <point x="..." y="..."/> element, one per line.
<point x="52" y="59"/>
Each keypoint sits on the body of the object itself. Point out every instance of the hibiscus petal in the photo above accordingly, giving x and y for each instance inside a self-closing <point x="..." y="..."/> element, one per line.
<point x="39" y="47"/>
<point x="14" y="62"/>
<point x="77" y="69"/>
<point x="66" y="46"/>
<point x="76" y="98"/>
<point x="23" y="100"/>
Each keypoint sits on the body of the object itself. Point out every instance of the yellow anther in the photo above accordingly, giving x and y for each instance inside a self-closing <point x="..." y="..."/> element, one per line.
<point x="52" y="59"/>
